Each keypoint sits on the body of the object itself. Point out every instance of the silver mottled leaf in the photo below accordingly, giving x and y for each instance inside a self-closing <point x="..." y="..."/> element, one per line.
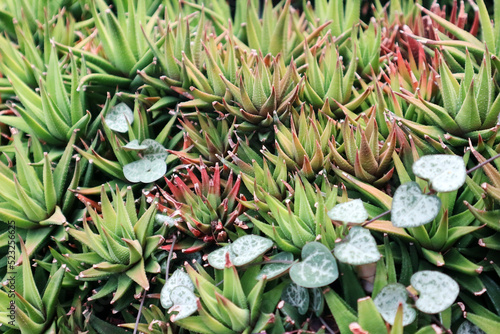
<point x="153" y="148"/>
<point x="274" y="270"/>
<point x="359" y="247"/>
<point x="411" y="208"/>
<point x="444" y="172"/>
<point x="437" y="291"/>
<point x="249" y="247"/>
<point x="388" y="300"/>
<point x="296" y="296"/>
<point x="318" y="267"/>
<point x="469" y="328"/>
<point x="118" y="118"/>
<point x="217" y="258"/>
<point x="185" y="303"/>
<point x="146" y="170"/>
<point x="134" y="146"/>
<point x="349" y="212"/>
<point x="178" y="278"/>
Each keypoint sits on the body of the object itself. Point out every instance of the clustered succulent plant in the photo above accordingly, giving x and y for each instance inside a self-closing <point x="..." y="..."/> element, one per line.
<point x="249" y="166"/>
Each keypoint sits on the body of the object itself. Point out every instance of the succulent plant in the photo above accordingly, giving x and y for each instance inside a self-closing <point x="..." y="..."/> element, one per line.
<point x="36" y="198"/>
<point x="230" y="307"/>
<point x="120" y="246"/>
<point x="252" y="167"/>
<point x="327" y="84"/>
<point x="125" y="49"/>
<point x="365" y="156"/>
<point x="342" y="17"/>
<point x="304" y="147"/>
<point x="141" y="159"/>
<point x="35" y="312"/>
<point x="458" y="39"/>
<point x="245" y="166"/>
<point x="413" y="76"/>
<point x="260" y="96"/>
<point x="206" y="139"/>
<point x="53" y="114"/>
<point x="204" y="208"/>
<point x="469" y="109"/>
<point x="367" y="49"/>
<point x="294" y="223"/>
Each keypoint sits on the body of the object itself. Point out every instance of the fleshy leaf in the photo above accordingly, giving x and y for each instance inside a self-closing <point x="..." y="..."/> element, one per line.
<point x="296" y="296"/>
<point x="444" y="172"/>
<point x="178" y="278"/>
<point x="164" y="219"/>
<point x="185" y="303"/>
<point x="119" y="117"/>
<point x="153" y="148"/>
<point x="359" y="247"/>
<point x="134" y="146"/>
<point x="317" y="299"/>
<point x="349" y="212"/>
<point x="318" y="267"/>
<point x="274" y="270"/>
<point x="217" y="258"/>
<point x="411" y="208"/>
<point x="248" y="248"/>
<point x="147" y="170"/>
<point x="469" y="328"/>
<point x="388" y="300"/>
<point x="437" y="291"/>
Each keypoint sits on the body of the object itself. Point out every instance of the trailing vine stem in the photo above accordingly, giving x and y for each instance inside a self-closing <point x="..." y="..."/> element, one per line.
<point x="174" y="238"/>
<point x="376" y="217"/>
<point x="487" y="161"/>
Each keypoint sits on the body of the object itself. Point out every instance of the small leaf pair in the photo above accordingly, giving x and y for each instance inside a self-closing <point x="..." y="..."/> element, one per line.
<point x="241" y="252"/>
<point x="178" y="295"/>
<point x="358" y="247"/>
<point x="437" y="292"/>
<point x="411" y="208"/>
<point x="151" y="167"/>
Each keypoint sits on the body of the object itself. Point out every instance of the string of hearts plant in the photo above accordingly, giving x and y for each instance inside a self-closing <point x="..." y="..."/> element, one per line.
<point x="249" y="166"/>
<point x="432" y="292"/>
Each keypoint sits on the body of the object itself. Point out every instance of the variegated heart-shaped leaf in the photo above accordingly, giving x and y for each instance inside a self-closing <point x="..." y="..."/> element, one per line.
<point x="153" y="148"/>
<point x="349" y="212"/>
<point x="437" y="291"/>
<point x="249" y="247"/>
<point x="411" y="208"/>
<point x="296" y="296"/>
<point x="178" y="278"/>
<point x="164" y="219"/>
<point x="318" y="267"/>
<point x="274" y="270"/>
<point x="359" y="247"/>
<point x="185" y="303"/>
<point x="134" y="146"/>
<point x="388" y="300"/>
<point x="119" y="117"/>
<point x="149" y="169"/>
<point x="243" y="251"/>
<point x="317" y="300"/>
<point x="217" y="258"/>
<point x="469" y="328"/>
<point x="444" y="172"/>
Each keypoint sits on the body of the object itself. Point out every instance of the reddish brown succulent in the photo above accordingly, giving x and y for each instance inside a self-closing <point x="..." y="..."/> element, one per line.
<point x="204" y="207"/>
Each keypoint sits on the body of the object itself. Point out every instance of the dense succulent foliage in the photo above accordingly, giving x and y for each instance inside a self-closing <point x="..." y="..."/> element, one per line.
<point x="249" y="166"/>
